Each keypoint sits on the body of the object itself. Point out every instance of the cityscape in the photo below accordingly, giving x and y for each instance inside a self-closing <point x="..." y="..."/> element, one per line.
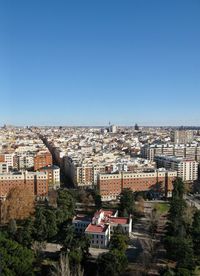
<point x="100" y="138"/>
<point x="104" y="186"/>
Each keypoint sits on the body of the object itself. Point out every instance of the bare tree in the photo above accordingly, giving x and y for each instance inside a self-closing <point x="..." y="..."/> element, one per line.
<point x="62" y="268"/>
<point x="147" y="256"/>
<point x="19" y="204"/>
<point x="153" y="217"/>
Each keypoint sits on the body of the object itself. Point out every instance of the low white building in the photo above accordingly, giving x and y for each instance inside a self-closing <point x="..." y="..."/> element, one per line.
<point x="101" y="226"/>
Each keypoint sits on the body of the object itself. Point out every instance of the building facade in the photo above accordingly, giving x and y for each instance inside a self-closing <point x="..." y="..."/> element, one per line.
<point x="191" y="151"/>
<point x="101" y="226"/>
<point x="37" y="182"/>
<point x="160" y="181"/>
<point x="53" y="175"/>
<point x="186" y="168"/>
<point x="182" y="136"/>
<point x="42" y="159"/>
<point x="3" y="167"/>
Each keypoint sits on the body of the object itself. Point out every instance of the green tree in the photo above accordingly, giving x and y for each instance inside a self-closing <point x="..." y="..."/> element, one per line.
<point x="40" y="225"/>
<point x="178" y="243"/>
<point x="180" y="250"/>
<point x="98" y="201"/>
<point x="66" y="203"/>
<point x="196" y="232"/>
<point x="112" y="263"/>
<point x="25" y="232"/>
<point x="178" y="189"/>
<point x="119" y="241"/>
<point x="15" y="259"/>
<point x="68" y="236"/>
<point x="126" y="201"/>
<point x="177" y="225"/>
<point x="51" y="224"/>
<point x="183" y="272"/>
<point x="12" y="227"/>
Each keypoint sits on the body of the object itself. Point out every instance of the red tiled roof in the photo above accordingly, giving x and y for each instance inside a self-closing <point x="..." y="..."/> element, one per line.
<point x="96" y="228"/>
<point x="118" y="220"/>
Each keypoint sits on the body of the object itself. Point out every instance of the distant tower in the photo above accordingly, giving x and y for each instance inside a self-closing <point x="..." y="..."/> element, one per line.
<point x="113" y="128"/>
<point x="136" y="127"/>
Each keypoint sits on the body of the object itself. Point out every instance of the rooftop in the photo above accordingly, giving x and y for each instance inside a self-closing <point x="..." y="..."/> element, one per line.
<point x="82" y="217"/>
<point x="96" y="228"/>
<point x="119" y="220"/>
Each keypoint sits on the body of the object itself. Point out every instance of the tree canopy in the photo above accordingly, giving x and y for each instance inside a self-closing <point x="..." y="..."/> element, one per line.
<point x="126" y="206"/>
<point x="15" y="259"/>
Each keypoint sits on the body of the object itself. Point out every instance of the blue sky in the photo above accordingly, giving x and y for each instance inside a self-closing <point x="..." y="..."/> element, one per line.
<point x="90" y="62"/>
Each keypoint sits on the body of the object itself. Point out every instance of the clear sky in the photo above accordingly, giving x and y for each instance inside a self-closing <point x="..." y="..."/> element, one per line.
<point x="87" y="62"/>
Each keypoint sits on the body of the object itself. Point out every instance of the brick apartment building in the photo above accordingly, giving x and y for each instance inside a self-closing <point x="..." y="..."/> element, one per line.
<point x="111" y="185"/>
<point x="42" y="159"/>
<point x="86" y="175"/>
<point x="37" y="182"/>
<point x="53" y="175"/>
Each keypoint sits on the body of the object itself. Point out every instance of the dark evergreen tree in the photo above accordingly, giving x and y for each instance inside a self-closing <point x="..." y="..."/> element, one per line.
<point x="126" y="202"/>
<point x="14" y="258"/>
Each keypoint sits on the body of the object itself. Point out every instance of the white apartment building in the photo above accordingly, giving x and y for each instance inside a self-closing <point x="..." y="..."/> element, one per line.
<point x="25" y="161"/>
<point x="186" y="168"/>
<point x="183" y="136"/>
<point x="3" y="167"/>
<point x="9" y="159"/>
<point x="191" y="151"/>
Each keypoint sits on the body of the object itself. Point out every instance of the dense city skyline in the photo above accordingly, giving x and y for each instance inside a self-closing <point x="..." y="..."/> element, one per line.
<point x="89" y="63"/>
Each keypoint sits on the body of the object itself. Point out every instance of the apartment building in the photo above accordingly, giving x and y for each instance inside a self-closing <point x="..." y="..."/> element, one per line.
<point x="186" y="168"/>
<point x="42" y="159"/>
<point x="111" y="185"/>
<point x="3" y="167"/>
<point x="8" y="158"/>
<point x="53" y="176"/>
<point x="86" y="175"/>
<point x="37" y="182"/>
<point x="24" y="161"/>
<point x="182" y="136"/>
<point x="191" y="151"/>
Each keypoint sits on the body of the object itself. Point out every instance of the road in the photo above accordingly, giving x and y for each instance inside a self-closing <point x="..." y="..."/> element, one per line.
<point x="192" y="201"/>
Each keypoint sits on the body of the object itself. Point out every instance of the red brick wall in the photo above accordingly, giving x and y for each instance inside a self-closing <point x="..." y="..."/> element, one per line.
<point x="114" y="186"/>
<point x="42" y="160"/>
<point x="38" y="187"/>
<point x="110" y="187"/>
<point x="2" y="158"/>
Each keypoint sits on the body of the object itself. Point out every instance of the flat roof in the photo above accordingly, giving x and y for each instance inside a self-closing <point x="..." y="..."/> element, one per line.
<point x="82" y="217"/>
